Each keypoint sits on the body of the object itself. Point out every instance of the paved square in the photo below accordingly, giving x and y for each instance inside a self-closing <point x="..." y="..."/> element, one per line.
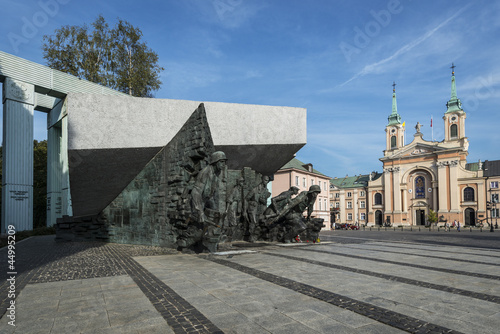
<point x="351" y="283"/>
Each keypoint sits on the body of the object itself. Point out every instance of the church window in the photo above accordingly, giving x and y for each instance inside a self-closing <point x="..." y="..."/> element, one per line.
<point x="349" y="216"/>
<point x="453" y="131"/>
<point x="349" y="205"/>
<point x="349" y="194"/>
<point x="468" y="194"/>
<point x="362" y="216"/>
<point x="362" y="204"/>
<point x="378" y="199"/>
<point x="393" y="142"/>
<point x="420" y="187"/>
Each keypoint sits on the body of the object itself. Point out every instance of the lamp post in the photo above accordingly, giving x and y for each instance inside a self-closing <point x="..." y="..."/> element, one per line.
<point x="496" y="214"/>
<point x="488" y="208"/>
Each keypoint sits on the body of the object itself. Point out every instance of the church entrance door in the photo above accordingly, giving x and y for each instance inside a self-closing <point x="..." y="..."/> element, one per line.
<point x="420" y="217"/>
<point x="378" y="218"/>
<point x="470" y="217"/>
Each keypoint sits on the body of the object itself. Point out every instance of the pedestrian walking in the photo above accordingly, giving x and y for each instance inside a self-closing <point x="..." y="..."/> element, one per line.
<point x="458" y="226"/>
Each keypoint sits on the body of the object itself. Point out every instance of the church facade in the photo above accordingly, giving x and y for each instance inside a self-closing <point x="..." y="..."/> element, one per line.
<point x="419" y="177"/>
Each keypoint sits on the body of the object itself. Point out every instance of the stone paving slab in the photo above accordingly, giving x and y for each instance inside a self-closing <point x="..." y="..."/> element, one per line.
<point x="109" y="288"/>
<point x="94" y="305"/>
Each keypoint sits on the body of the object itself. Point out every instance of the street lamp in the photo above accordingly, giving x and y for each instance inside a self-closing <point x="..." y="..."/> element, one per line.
<point x="488" y="208"/>
<point x="496" y="214"/>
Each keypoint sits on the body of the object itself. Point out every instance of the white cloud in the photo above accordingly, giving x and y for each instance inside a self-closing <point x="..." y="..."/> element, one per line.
<point x="378" y="66"/>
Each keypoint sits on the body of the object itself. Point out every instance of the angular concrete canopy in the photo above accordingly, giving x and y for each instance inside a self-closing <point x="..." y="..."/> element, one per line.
<point x="111" y="138"/>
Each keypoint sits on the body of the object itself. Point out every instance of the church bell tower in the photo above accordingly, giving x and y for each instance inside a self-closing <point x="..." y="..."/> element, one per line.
<point x="394" y="129"/>
<point x="454" y="118"/>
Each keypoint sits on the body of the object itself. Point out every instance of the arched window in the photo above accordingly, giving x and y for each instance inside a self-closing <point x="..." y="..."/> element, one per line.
<point x="468" y="194"/>
<point x="453" y="131"/>
<point x="419" y="187"/>
<point x="378" y="199"/>
<point x="393" y="142"/>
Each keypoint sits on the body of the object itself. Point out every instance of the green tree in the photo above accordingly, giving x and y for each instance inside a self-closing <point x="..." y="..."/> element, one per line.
<point x="432" y="217"/>
<point x="116" y="58"/>
<point x="39" y="183"/>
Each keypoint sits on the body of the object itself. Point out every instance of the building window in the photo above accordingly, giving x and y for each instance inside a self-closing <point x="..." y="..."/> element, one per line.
<point x="337" y="195"/>
<point x="297" y="182"/>
<point x="312" y="182"/>
<point x="349" y="205"/>
<point x="319" y="184"/>
<point x="331" y="195"/>
<point x="393" y="142"/>
<point x="304" y="182"/>
<point x="319" y="205"/>
<point x="494" y="198"/>
<point x="349" y="216"/>
<point x="494" y="184"/>
<point x="378" y="199"/>
<point x="337" y="205"/>
<point x="362" y="216"/>
<point x="419" y="187"/>
<point x="324" y="186"/>
<point x="494" y="213"/>
<point x="453" y="131"/>
<point x="362" y="193"/>
<point x="325" y="203"/>
<point x="468" y="194"/>
<point x="349" y="194"/>
<point x="362" y="204"/>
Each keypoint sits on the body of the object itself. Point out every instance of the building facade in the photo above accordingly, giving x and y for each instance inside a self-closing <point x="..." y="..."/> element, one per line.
<point x="421" y="176"/>
<point x="298" y="174"/>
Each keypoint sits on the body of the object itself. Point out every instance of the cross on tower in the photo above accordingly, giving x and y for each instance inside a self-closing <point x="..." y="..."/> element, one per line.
<point x="394" y="87"/>
<point x="452" y="69"/>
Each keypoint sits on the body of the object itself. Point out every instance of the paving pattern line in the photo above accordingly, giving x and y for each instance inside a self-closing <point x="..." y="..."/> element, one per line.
<point x="430" y="243"/>
<point x="421" y="255"/>
<point x="380" y="314"/>
<point x="180" y="315"/>
<point x="444" y="270"/>
<point x="445" y="288"/>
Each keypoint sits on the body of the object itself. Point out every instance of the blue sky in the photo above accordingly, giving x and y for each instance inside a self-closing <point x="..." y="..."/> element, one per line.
<point x="338" y="59"/>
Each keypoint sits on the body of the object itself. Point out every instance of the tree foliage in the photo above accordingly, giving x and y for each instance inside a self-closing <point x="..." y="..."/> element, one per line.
<point x="113" y="57"/>
<point x="39" y="183"/>
<point x="432" y="217"/>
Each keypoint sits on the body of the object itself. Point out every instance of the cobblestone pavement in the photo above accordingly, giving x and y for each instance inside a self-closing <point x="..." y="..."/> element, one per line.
<point x="349" y="283"/>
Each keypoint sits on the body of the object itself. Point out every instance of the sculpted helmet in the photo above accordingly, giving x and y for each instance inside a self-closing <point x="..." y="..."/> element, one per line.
<point x="315" y="188"/>
<point x="217" y="156"/>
